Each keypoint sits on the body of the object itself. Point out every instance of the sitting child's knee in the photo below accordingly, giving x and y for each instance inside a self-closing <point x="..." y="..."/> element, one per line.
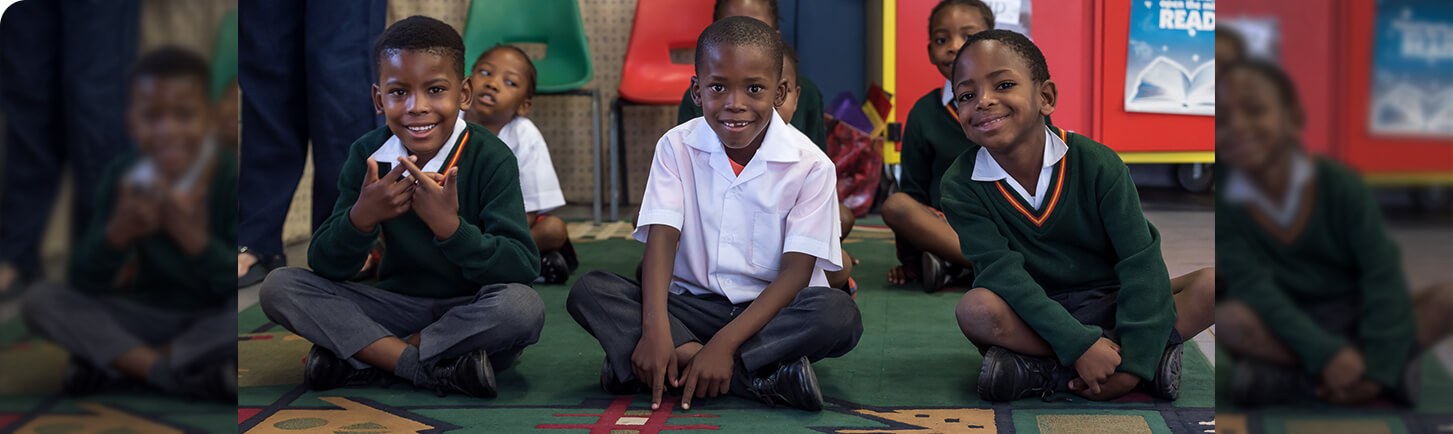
<point x="897" y="207"/>
<point x="979" y="312"/>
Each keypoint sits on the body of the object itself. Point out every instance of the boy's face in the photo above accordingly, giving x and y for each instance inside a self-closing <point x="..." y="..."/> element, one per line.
<point x="1257" y="124"/>
<point x="757" y="9"/>
<point x="499" y="83"/>
<point x="420" y="95"/>
<point x="789" y="104"/>
<point x="948" y="31"/>
<point x="169" y="117"/>
<point x="737" y="88"/>
<point x="999" y="105"/>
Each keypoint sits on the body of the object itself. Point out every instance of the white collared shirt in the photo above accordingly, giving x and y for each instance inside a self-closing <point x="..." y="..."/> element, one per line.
<point x="1239" y="189"/>
<point x="538" y="181"/>
<point x="947" y="94"/>
<point x="392" y="149"/>
<point x="735" y="228"/>
<point x="989" y="170"/>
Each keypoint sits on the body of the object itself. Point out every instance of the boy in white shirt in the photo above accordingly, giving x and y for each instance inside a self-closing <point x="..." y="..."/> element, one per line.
<point x="740" y="221"/>
<point x="503" y="83"/>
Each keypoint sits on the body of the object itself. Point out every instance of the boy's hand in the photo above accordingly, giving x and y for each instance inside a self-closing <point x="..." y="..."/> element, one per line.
<point x="654" y="363"/>
<point x="1344" y="369"/>
<point x="137" y="215"/>
<point x="1117" y="385"/>
<point x="184" y="217"/>
<point x="381" y="199"/>
<point x="437" y="203"/>
<point x="709" y="374"/>
<point x="1098" y="363"/>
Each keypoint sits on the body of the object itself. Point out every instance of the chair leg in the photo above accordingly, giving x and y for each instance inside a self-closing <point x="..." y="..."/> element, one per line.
<point x="616" y="139"/>
<point x="595" y="149"/>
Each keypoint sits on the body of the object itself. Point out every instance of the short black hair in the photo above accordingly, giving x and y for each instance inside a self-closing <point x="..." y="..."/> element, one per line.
<point x="1033" y="58"/>
<point x="171" y="61"/>
<point x="1286" y="91"/>
<point x="743" y="32"/>
<point x="420" y="33"/>
<point x="1234" y="39"/>
<point x="720" y="8"/>
<point x="789" y="55"/>
<point x="530" y="72"/>
<point x="984" y="10"/>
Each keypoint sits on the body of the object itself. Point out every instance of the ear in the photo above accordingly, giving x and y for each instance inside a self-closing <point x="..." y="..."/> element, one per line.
<point x="377" y="100"/>
<point x="524" y="107"/>
<point x="465" y="90"/>
<point x="781" y="97"/>
<point x="695" y="91"/>
<point x="1298" y="118"/>
<point x="1048" y="96"/>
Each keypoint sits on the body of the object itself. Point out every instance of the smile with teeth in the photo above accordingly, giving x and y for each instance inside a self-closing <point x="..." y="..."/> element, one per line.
<point x="990" y="123"/>
<point x="735" y="124"/>
<point x="422" y="128"/>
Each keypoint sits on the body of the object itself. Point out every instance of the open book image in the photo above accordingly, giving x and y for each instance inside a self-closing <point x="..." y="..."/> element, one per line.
<point x="1165" y="86"/>
<point x="1404" y="108"/>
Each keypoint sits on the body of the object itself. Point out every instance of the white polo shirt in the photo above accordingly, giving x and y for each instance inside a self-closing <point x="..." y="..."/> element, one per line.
<point x="392" y="149"/>
<point x="735" y="228"/>
<point x="988" y="170"/>
<point x="537" y="175"/>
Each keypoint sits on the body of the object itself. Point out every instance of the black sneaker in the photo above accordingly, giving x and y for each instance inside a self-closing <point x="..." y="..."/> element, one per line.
<point x="935" y="273"/>
<point x="82" y="378"/>
<point x="614" y="386"/>
<point x="469" y="374"/>
<point x="1167" y="384"/>
<point x="791" y="384"/>
<point x="553" y="268"/>
<point x="1257" y="384"/>
<point x="1006" y="375"/>
<point x="324" y="371"/>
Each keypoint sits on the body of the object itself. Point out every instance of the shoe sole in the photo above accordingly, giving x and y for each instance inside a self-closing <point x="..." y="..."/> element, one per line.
<point x="310" y="368"/>
<point x="932" y="273"/>
<point x="1168" y="380"/>
<point x="811" y="382"/>
<point x="487" y="375"/>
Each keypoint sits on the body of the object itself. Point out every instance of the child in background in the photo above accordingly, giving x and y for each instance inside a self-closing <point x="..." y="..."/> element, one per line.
<point x="738" y="224"/>
<point x="148" y="298"/>
<point x="1316" y="304"/>
<point x="1070" y="290"/>
<point x="452" y="302"/>
<point x="503" y="82"/>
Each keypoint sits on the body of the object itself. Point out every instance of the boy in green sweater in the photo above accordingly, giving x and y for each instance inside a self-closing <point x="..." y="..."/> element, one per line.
<point x="1316" y="302"/>
<point x="148" y="297"/>
<point x="1070" y="291"/>
<point x="451" y="303"/>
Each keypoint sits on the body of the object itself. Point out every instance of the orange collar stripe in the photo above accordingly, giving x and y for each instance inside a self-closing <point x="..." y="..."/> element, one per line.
<point x="1059" y="185"/>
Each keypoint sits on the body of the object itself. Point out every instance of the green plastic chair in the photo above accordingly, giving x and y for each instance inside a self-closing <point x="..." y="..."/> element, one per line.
<point x="555" y="23"/>
<point x="566" y="66"/>
<point x="224" y="57"/>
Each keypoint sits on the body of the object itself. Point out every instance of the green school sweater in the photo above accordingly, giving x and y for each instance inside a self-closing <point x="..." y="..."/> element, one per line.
<point x="165" y="275"/>
<point x="492" y="245"/>
<point x="807" y="119"/>
<point x="932" y="138"/>
<point x="1089" y="231"/>
<point x="1343" y="252"/>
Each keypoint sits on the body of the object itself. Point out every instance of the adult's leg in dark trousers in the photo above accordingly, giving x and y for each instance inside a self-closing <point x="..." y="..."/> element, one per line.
<point x="99" y="39"/>
<point x="30" y="98"/>
<point x="821" y="322"/>
<point x="339" y="36"/>
<point x="608" y="306"/>
<point x="274" y="109"/>
<point x="501" y="319"/>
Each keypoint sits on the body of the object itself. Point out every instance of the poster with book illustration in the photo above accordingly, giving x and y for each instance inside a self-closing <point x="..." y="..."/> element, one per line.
<point x="1412" y="69"/>
<point x="1170" y="63"/>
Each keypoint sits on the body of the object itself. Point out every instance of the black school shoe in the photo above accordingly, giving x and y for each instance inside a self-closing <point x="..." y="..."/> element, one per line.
<point x="324" y="370"/>
<point x="553" y="269"/>
<point x="1256" y="384"/>
<point x="1006" y="375"/>
<point x="1167" y="384"/>
<point x="213" y="382"/>
<point x="938" y="274"/>
<point x="258" y="271"/>
<point x="82" y="378"/>
<point x="611" y="385"/>
<point x="790" y="384"/>
<point x="469" y="374"/>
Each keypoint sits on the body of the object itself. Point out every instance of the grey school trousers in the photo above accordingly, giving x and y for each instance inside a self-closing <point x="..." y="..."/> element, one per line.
<point x="343" y="317"/>
<point x="821" y="322"/>
<point x="99" y="329"/>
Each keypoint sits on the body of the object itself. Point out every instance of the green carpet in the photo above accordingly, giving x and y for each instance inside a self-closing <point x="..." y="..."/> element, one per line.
<point x="912" y="372"/>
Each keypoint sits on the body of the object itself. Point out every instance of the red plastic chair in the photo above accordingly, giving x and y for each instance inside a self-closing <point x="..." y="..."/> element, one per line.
<point x="648" y="76"/>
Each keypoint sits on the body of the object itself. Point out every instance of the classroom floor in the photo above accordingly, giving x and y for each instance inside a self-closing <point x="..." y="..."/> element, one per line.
<point x="912" y="371"/>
